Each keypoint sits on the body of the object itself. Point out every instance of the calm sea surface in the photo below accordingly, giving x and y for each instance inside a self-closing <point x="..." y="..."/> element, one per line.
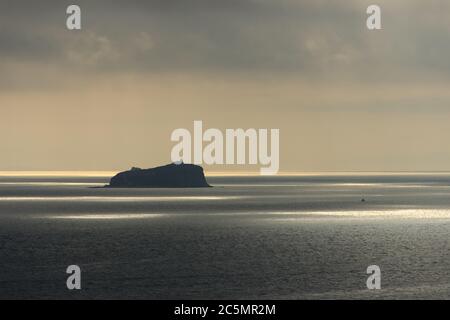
<point x="298" y="237"/>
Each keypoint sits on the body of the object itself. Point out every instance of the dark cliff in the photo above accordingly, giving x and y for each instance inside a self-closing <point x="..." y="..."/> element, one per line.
<point x="168" y="176"/>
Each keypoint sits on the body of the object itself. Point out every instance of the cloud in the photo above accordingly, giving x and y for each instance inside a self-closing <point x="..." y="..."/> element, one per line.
<point x="344" y="98"/>
<point x="309" y="39"/>
<point x="91" y="49"/>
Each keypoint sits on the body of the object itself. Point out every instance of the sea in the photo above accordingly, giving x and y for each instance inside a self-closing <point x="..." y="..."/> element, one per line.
<point x="303" y="236"/>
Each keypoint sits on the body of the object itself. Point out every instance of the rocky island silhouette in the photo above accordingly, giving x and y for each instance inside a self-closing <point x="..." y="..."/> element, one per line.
<point x="174" y="175"/>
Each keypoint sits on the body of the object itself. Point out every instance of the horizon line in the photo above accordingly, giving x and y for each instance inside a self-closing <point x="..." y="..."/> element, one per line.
<point x="109" y="173"/>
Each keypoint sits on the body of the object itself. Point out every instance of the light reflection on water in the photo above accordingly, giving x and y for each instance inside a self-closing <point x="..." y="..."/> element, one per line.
<point x="106" y="216"/>
<point x="52" y="183"/>
<point x="273" y="216"/>
<point x="367" y="214"/>
<point x="121" y="199"/>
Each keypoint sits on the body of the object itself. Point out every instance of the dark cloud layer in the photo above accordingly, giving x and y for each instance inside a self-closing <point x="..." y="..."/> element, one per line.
<point x="304" y="38"/>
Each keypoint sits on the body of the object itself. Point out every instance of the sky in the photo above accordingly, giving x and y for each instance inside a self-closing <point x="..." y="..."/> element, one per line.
<point x="108" y="96"/>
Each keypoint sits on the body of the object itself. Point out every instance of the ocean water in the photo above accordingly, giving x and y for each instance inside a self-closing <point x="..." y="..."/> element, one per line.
<point x="289" y="237"/>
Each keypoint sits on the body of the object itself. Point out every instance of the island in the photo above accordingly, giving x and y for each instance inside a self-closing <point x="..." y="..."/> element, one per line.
<point x="174" y="175"/>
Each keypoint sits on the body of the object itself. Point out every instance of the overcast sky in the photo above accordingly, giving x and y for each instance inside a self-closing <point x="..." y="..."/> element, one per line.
<point x="107" y="97"/>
